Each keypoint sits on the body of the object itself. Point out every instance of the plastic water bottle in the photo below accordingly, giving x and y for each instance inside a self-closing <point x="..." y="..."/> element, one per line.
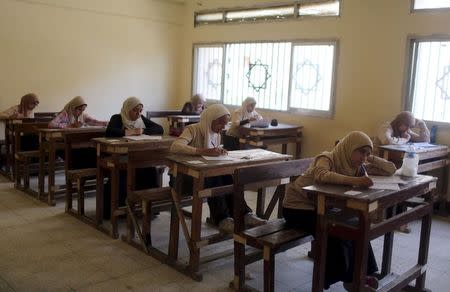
<point x="410" y="162"/>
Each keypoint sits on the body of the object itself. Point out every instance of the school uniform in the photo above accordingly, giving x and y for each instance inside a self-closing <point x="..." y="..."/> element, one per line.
<point x="299" y="209"/>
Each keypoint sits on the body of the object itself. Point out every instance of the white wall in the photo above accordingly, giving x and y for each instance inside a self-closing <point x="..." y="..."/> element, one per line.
<point x="104" y="50"/>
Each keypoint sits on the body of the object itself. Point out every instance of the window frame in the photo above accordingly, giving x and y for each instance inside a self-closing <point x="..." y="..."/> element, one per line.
<point x="426" y="10"/>
<point x="297" y="111"/>
<point x="410" y="69"/>
<point x="295" y="16"/>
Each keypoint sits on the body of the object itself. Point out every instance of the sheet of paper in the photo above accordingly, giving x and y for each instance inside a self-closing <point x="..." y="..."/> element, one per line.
<point x="195" y="162"/>
<point x="394" y="179"/>
<point x="352" y="193"/>
<point x="385" y="186"/>
<point x="142" y="137"/>
<point x="219" y="158"/>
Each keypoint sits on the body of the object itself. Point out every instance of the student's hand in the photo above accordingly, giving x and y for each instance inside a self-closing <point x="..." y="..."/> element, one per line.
<point x="406" y="136"/>
<point x="362" y="182"/>
<point x="14" y="116"/>
<point x="76" y="125"/>
<point x="252" y="119"/>
<point x="213" y="151"/>
<point x="133" y="132"/>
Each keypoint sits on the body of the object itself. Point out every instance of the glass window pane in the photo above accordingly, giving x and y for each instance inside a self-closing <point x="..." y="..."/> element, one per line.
<point x="319" y="9"/>
<point x="312" y="76"/>
<point x="260" y="70"/>
<point x="431" y="90"/>
<point x="209" y="17"/>
<point x="253" y="14"/>
<point x="208" y="72"/>
<point x="431" y="4"/>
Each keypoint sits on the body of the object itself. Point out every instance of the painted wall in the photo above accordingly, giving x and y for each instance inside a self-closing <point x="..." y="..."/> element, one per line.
<point x="104" y="50"/>
<point x="371" y="63"/>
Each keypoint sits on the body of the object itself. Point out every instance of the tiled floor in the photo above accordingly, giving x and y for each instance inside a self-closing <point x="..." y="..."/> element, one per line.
<point x="43" y="249"/>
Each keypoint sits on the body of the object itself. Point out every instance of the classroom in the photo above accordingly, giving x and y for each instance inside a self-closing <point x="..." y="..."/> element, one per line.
<point x="212" y="145"/>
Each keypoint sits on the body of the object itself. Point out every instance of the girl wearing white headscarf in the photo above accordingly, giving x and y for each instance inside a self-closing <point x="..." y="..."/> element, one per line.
<point x="241" y="117"/>
<point x="130" y="121"/>
<point x="24" y="109"/>
<point x="343" y="165"/>
<point x="73" y="116"/>
<point x="203" y="138"/>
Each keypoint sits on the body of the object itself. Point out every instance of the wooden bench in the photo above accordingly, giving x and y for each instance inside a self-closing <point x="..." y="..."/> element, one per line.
<point x="77" y="178"/>
<point x="25" y="162"/>
<point x="273" y="237"/>
<point x="151" y="201"/>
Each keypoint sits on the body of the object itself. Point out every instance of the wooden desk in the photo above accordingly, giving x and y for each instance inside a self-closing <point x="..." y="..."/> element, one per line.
<point x="51" y="140"/>
<point x="198" y="172"/>
<point x="365" y="204"/>
<point x="430" y="158"/>
<point x="281" y="134"/>
<point x="112" y="156"/>
<point x="177" y="123"/>
<point x="10" y="126"/>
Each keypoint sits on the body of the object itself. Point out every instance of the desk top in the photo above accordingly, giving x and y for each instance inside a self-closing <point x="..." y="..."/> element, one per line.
<point x="248" y="157"/>
<point x="58" y="133"/>
<point x="122" y="145"/>
<point x="190" y="117"/>
<point x="419" y="147"/>
<point x="247" y="130"/>
<point x="371" y="195"/>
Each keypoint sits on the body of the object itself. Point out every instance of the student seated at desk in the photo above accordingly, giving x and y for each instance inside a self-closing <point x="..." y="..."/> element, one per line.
<point x="130" y="122"/>
<point x="242" y="116"/>
<point x="194" y="107"/>
<point x="25" y="109"/>
<point x="403" y="129"/>
<point x="203" y="138"/>
<point x="73" y="116"/>
<point x="346" y="164"/>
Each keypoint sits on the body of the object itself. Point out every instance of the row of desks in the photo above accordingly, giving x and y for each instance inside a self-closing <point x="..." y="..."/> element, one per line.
<point x="116" y="154"/>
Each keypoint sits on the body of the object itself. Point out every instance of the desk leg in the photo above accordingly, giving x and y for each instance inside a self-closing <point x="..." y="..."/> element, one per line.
<point x="239" y="245"/>
<point x="51" y="172"/>
<point x="196" y="224"/>
<point x="361" y="252"/>
<point x="298" y="149"/>
<point x="41" y="179"/>
<point x="261" y="202"/>
<point x="174" y="233"/>
<point x="115" y="189"/>
<point x="387" y="247"/>
<point x="443" y="199"/>
<point x="321" y="241"/>
<point x="423" y="249"/>
<point x="284" y="148"/>
<point x="99" y="196"/>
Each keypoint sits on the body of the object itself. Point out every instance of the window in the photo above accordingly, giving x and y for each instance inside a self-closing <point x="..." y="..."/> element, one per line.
<point x="265" y="12"/>
<point x="430" y="4"/>
<point x="279" y="75"/>
<point x="208" y="71"/>
<point x="428" y="91"/>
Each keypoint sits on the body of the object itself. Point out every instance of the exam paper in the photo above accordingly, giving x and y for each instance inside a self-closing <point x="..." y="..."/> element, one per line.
<point x="143" y="137"/>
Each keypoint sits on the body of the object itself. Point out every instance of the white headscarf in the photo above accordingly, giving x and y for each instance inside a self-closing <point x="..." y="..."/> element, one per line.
<point x="129" y="104"/>
<point x="70" y="107"/>
<point x="210" y="114"/>
<point x="244" y="112"/>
